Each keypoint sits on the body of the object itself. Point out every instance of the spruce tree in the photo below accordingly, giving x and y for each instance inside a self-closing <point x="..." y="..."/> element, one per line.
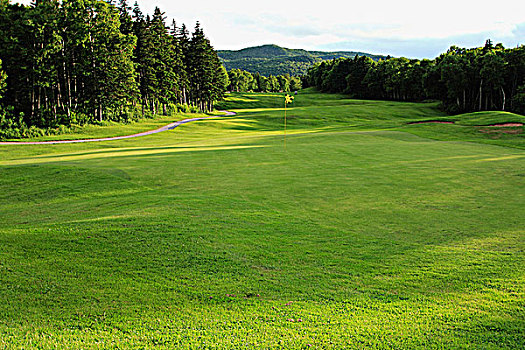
<point x="126" y="21"/>
<point x="183" y="42"/>
<point x="175" y="74"/>
<point x="208" y="80"/>
<point x="165" y="83"/>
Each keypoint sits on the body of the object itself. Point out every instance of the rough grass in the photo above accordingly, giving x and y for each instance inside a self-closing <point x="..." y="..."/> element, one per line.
<point x="364" y="232"/>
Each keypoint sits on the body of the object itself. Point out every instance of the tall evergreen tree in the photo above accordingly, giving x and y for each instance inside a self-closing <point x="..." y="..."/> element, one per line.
<point x="200" y="68"/>
<point x="176" y="74"/>
<point x="166" y="79"/>
<point x="183" y="40"/>
<point x="126" y="21"/>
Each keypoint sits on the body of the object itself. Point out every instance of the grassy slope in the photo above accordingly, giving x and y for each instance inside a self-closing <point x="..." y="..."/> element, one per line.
<point x="371" y="236"/>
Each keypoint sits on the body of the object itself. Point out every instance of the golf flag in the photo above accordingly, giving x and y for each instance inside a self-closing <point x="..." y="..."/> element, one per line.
<point x="287" y="99"/>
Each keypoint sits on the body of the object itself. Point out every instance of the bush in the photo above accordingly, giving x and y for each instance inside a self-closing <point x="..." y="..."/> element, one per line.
<point x="183" y="108"/>
<point x="78" y="118"/>
<point x="11" y="126"/>
<point x="172" y="109"/>
<point x="14" y="127"/>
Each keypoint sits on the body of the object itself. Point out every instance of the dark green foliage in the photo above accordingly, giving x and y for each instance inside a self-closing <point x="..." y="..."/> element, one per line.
<point x="174" y="68"/>
<point x="72" y="61"/>
<point x="126" y="22"/>
<point x="356" y="75"/>
<point x="3" y="78"/>
<point x="519" y="100"/>
<point x="202" y="68"/>
<point x="465" y="80"/>
<point x="274" y="60"/>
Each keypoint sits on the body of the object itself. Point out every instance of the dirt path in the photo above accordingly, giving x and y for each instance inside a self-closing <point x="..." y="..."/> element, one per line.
<point x="164" y="128"/>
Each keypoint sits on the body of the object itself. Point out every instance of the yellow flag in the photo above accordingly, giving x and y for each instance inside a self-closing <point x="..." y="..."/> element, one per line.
<point x="288" y="99"/>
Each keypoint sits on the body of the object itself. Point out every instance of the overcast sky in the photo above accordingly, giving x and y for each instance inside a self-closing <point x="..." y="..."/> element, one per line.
<point x="410" y="28"/>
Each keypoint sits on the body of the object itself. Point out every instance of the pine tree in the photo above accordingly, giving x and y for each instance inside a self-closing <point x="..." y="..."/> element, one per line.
<point x="126" y="21"/>
<point x="143" y="57"/>
<point x="183" y="41"/>
<point x="200" y="69"/>
<point x="175" y="75"/>
<point x="166" y="80"/>
<point x="113" y="61"/>
<point x="220" y="81"/>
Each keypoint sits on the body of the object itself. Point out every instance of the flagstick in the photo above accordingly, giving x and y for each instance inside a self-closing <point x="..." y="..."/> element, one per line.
<point x="284" y="124"/>
<point x="287" y="99"/>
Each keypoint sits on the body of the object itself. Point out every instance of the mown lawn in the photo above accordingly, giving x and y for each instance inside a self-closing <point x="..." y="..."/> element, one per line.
<point x="364" y="232"/>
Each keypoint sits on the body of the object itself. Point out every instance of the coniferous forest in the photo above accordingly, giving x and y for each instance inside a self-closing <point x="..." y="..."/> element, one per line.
<point x="84" y="61"/>
<point x="465" y="80"/>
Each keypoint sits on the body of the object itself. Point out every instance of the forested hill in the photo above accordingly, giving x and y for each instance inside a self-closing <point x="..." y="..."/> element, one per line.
<point x="275" y="60"/>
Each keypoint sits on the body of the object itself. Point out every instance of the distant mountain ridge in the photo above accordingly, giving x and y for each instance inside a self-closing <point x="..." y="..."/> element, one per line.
<point x="275" y="60"/>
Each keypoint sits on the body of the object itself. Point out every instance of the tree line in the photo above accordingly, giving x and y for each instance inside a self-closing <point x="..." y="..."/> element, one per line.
<point x="465" y="80"/>
<point x="77" y="61"/>
<point x="244" y="81"/>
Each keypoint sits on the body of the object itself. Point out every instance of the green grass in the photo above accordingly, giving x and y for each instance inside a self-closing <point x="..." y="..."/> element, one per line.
<point x="112" y="129"/>
<point x="364" y="232"/>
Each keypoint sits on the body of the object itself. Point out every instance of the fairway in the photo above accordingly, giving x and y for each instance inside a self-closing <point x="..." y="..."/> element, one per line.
<point x="366" y="231"/>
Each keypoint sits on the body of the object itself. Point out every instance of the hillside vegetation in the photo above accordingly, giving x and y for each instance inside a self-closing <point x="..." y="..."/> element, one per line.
<point x="274" y="60"/>
<point x="366" y="230"/>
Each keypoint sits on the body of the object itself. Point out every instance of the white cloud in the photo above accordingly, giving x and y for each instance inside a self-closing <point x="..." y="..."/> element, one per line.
<point x="236" y="24"/>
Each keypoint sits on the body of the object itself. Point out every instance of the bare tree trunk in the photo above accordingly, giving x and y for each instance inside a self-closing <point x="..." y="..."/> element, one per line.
<point x="54" y="104"/>
<point x="503" y="93"/>
<point x="152" y="107"/>
<point x="58" y="96"/>
<point x="38" y="99"/>
<point x="32" y="100"/>
<point x="98" y="115"/>
<point x="67" y="80"/>
<point x="480" y="94"/>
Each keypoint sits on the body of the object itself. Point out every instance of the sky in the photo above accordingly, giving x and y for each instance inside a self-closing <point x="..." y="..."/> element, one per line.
<point x="409" y="28"/>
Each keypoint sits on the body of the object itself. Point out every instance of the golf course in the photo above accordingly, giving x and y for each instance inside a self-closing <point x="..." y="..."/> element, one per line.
<point x="368" y="224"/>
